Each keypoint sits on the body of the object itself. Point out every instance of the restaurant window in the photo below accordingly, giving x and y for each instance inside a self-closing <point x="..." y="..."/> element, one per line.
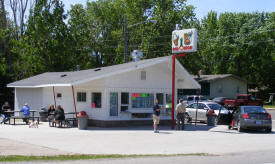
<point x="81" y="96"/>
<point x="96" y="100"/>
<point x="159" y="96"/>
<point x="124" y="101"/>
<point x="142" y="100"/>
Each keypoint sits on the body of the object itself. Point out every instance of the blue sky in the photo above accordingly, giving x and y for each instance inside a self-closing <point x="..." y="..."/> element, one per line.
<point x="204" y="6"/>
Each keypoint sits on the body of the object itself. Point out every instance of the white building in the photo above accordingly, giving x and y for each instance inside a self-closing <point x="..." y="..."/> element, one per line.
<point x="116" y="95"/>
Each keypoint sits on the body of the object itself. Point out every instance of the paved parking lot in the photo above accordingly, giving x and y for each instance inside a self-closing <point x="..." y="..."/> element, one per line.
<point x="21" y="139"/>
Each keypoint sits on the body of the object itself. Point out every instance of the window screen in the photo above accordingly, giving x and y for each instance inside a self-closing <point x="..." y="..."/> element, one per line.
<point x="81" y="96"/>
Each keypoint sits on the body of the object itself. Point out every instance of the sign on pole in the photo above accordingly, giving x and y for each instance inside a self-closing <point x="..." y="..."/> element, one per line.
<point x="184" y="40"/>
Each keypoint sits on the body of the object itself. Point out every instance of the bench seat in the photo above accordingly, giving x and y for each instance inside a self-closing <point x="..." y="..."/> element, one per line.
<point x="20" y="117"/>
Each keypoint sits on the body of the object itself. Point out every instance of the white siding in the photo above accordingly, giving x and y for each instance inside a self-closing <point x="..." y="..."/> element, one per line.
<point x="158" y="76"/>
<point x="228" y="87"/>
<point x="32" y="96"/>
<point x="66" y="101"/>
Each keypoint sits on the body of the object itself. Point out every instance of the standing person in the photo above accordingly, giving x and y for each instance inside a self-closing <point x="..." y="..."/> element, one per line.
<point x="180" y="110"/>
<point x="59" y="115"/>
<point x="5" y="116"/>
<point x="26" y="113"/>
<point x="156" y="113"/>
<point x="51" y="113"/>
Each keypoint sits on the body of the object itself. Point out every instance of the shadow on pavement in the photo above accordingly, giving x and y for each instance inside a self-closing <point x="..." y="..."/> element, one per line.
<point x="244" y="132"/>
<point x="198" y="127"/>
<point x="188" y="127"/>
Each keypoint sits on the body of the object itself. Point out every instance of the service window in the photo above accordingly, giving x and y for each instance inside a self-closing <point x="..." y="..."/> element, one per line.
<point x="142" y="100"/>
<point x="81" y="96"/>
<point x="96" y="100"/>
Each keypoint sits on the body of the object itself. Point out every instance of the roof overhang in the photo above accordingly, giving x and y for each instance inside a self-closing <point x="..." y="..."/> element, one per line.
<point x="40" y="86"/>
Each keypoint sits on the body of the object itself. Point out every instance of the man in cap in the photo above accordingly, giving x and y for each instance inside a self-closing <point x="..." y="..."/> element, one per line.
<point x="26" y="113"/>
<point x="180" y="110"/>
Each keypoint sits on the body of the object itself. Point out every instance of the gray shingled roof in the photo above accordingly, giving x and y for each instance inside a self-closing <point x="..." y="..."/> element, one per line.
<point x="76" y="77"/>
<point x="210" y="78"/>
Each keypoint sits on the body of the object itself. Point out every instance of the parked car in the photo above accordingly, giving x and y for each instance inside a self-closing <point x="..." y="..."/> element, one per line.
<point x="220" y="100"/>
<point x="203" y="108"/>
<point x="192" y="98"/>
<point x="252" y="117"/>
<point x="243" y="99"/>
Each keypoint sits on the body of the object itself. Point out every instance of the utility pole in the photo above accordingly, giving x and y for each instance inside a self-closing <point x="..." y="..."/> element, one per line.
<point x="125" y="38"/>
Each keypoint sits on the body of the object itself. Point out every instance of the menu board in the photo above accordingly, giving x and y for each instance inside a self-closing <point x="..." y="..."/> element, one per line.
<point x="142" y="100"/>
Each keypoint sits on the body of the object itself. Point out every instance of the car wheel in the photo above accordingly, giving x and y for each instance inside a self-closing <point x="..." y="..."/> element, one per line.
<point x="268" y="130"/>
<point x="240" y="129"/>
<point x="187" y="118"/>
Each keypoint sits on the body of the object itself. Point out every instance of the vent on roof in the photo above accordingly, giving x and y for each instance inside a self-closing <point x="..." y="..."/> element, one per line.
<point x="98" y="69"/>
<point x="64" y="75"/>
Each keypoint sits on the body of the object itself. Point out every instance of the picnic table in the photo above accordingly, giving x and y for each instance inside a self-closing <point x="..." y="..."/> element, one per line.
<point x="32" y="117"/>
<point x="70" y="119"/>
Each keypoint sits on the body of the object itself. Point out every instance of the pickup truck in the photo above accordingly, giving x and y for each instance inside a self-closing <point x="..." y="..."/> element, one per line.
<point x="243" y="99"/>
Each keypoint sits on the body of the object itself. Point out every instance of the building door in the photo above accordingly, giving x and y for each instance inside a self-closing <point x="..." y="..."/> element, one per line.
<point x="113" y="104"/>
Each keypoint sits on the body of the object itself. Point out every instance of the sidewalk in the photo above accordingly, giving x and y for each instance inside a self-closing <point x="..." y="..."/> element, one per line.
<point x="12" y="147"/>
<point x="130" y="140"/>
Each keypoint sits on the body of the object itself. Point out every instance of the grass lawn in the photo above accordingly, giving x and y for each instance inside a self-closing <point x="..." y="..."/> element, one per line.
<point x="269" y="106"/>
<point x="17" y="158"/>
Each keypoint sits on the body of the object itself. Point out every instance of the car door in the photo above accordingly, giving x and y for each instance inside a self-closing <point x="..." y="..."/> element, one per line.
<point x="191" y="109"/>
<point x="236" y="115"/>
<point x="202" y="112"/>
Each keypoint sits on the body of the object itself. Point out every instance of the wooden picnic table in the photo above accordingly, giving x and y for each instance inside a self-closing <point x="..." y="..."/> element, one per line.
<point x="20" y="117"/>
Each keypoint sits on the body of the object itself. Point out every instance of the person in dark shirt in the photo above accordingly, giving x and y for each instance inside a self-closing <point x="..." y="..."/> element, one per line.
<point x="59" y="115"/>
<point x="156" y="113"/>
<point x="5" y="116"/>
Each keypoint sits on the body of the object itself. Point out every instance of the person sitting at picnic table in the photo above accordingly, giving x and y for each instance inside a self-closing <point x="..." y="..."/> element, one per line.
<point x="5" y="116"/>
<point x="59" y="115"/>
<point x="26" y="113"/>
<point x="51" y="113"/>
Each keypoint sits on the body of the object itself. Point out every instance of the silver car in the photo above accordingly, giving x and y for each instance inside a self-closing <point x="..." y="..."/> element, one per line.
<point x="252" y="117"/>
<point x="202" y="109"/>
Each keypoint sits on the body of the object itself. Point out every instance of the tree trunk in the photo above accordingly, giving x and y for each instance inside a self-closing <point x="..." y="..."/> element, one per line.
<point x="4" y="14"/>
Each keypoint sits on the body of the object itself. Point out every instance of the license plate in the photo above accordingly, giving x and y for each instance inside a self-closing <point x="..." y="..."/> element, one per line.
<point x="258" y="122"/>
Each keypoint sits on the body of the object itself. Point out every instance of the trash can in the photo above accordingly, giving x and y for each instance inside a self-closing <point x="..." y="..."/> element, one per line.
<point x="82" y="118"/>
<point x="43" y="114"/>
<point x="211" y="118"/>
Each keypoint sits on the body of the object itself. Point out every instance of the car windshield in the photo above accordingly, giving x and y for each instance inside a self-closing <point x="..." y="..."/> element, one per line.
<point x="254" y="109"/>
<point x="215" y="106"/>
<point x="217" y="99"/>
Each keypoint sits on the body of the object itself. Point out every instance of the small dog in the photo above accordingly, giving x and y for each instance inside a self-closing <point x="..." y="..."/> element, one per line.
<point x="33" y="124"/>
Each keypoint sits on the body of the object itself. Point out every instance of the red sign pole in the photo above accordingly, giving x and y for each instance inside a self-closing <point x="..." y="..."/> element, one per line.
<point x="74" y="102"/>
<point x="173" y="88"/>
<point x="173" y="91"/>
